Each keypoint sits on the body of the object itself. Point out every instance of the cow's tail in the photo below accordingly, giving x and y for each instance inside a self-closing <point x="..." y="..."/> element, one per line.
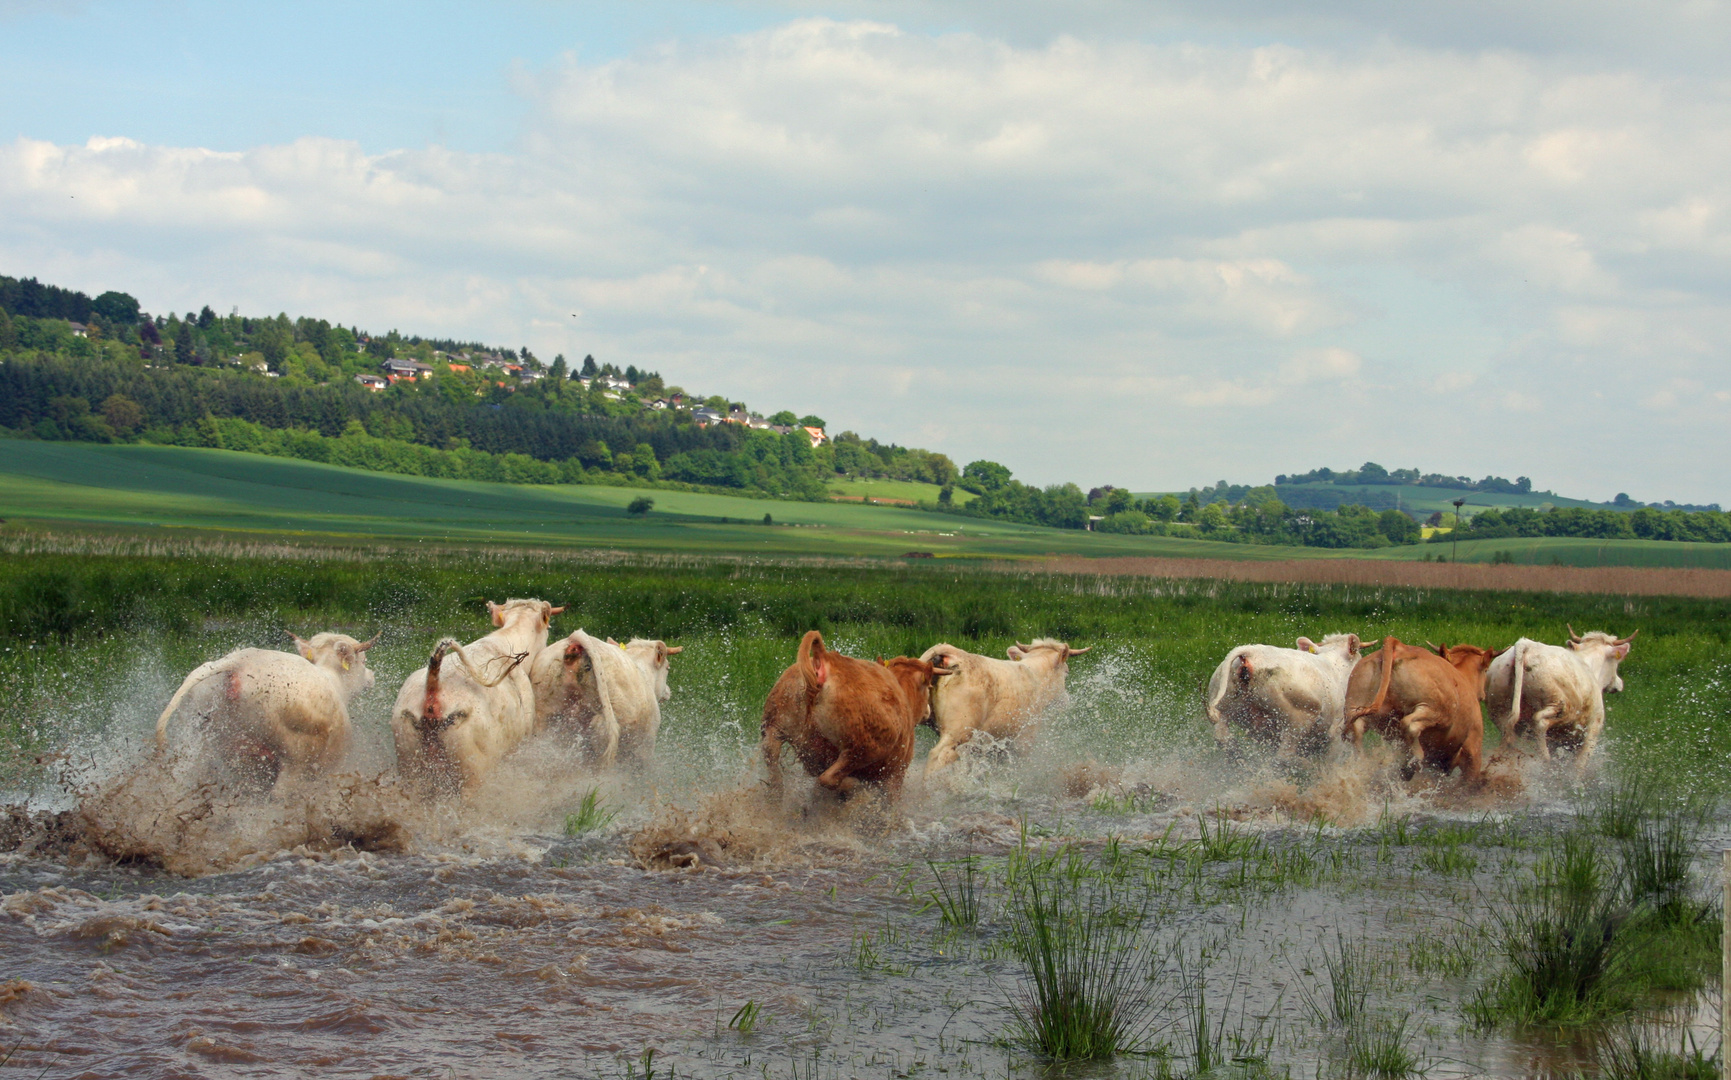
<point x="812" y="666"/>
<point x="1520" y="666"/>
<point x="1380" y="702"/>
<point x="199" y="674"/>
<point x="504" y="663"/>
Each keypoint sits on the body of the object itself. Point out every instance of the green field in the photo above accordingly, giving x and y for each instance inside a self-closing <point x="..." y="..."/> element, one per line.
<point x="148" y="488"/>
<point x="911" y="490"/>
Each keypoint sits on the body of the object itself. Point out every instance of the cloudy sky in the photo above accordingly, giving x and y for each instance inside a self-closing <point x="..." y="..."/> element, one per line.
<point x="1148" y="243"/>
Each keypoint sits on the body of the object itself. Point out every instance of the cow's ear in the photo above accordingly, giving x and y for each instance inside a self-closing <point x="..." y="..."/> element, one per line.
<point x="302" y="646"/>
<point x="1353" y="645"/>
<point x="1014" y="652"/>
<point x="1306" y="645"/>
<point x="1620" y="651"/>
<point x="497" y="612"/>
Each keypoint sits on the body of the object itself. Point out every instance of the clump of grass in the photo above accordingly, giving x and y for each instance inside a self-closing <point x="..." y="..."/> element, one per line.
<point x="957" y="896"/>
<point x="1084" y="991"/>
<point x="1349" y="977"/>
<point x="591" y="814"/>
<point x="1561" y="942"/>
<point x="1381" y="1046"/>
<point x="1632" y="1054"/>
<point x="1213" y="1042"/>
<point x="746" y="1019"/>
<point x="1619" y="810"/>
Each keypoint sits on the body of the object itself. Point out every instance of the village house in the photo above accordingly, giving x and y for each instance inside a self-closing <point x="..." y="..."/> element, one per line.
<point x="373" y="382"/>
<point x="817" y="436"/>
<point x="79" y="329"/>
<point x="405" y="369"/>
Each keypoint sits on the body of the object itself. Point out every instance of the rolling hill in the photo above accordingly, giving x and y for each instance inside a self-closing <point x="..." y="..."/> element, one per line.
<point x="56" y="485"/>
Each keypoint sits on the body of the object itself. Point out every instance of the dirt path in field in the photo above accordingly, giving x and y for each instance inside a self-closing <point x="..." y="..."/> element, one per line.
<point x="1609" y="580"/>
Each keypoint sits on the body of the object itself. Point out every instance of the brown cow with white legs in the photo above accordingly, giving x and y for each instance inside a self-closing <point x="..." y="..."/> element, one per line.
<point x="1557" y="695"/>
<point x="275" y="716"/>
<point x="458" y="717"/>
<point x="849" y="721"/>
<point x="1002" y="698"/>
<point x="606" y="694"/>
<point x="1427" y="702"/>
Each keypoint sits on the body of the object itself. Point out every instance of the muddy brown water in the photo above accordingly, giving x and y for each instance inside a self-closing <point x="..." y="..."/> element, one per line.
<point x="351" y="931"/>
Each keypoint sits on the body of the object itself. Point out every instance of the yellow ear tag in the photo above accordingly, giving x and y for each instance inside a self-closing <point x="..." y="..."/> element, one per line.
<point x="621" y="647"/>
<point x="345" y="665"/>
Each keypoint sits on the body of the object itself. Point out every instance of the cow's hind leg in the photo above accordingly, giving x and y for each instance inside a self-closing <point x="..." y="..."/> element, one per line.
<point x="837" y="778"/>
<point x="1413" y="726"/>
<point x="1542" y="721"/>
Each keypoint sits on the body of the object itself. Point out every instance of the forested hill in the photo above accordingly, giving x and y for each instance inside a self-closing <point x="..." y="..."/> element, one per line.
<point x="73" y="367"/>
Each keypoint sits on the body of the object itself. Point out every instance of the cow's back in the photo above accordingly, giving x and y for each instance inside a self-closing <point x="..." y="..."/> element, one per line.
<point x="273" y="702"/>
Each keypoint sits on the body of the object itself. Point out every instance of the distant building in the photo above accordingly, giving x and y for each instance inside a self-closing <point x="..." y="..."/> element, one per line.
<point x="79" y="329"/>
<point x="817" y="436"/>
<point x="405" y="369"/>
<point x="373" y="382"/>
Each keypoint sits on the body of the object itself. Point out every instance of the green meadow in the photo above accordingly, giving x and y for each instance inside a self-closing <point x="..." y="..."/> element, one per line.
<point x="138" y="488"/>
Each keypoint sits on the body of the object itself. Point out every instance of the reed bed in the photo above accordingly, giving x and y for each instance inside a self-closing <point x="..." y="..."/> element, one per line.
<point x="1585" y="580"/>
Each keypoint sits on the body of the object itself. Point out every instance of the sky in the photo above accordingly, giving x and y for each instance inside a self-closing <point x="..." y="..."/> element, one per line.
<point x="1152" y="244"/>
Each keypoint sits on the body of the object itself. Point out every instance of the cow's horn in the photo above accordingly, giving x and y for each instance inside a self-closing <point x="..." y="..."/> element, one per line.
<point x="1024" y="648"/>
<point x="939" y="669"/>
<point x="1078" y="652"/>
<point x="674" y="650"/>
<point x="1574" y="637"/>
<point x="1625" y="640"/>
<point x="370" y="642"/>
<point x="552" y="611"/>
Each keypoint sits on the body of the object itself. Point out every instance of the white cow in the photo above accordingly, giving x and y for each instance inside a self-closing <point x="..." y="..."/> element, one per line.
<point x="607" y="694"/>
<point x="455" y="722"/>
<point x="1291" y="699"/>
<point x="1551" y="693"/>
<point x="1003" y="698"/>
<point x="275" y="716"/>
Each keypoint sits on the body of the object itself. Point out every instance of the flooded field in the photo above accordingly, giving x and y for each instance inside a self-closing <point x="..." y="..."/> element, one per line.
<point x="1259" y="919"/>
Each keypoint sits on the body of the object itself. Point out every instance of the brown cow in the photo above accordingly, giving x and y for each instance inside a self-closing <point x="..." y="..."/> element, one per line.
<point x="1428" y="702"/>
<point x="849" y="721"/>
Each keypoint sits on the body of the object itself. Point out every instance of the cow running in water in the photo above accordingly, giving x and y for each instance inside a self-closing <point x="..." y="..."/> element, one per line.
<point x="272" y="717"/>
<point x="1004" y="699"/>
<point x="606" y="694"/>
<point x="458" y="717"/>
<point x="848" y="721"/>
<point x="1426" y="701"/>
<point x="1557" y="695"/>
<point x="1293" y="700"/>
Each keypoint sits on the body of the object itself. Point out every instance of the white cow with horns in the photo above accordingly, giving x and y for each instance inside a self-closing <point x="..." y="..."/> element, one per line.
<point x="1291" y="699"/>
<point x="1556" y="695"/>
<point x="1002" y="698"/>
<point x="607" y="694"/>
<point x="455" y="722"/>
<point x="272" y="717"/>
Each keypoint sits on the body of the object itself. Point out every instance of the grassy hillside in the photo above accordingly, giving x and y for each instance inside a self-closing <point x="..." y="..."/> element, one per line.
<point x="911" y="490"/>
<point x="219" y="492"/>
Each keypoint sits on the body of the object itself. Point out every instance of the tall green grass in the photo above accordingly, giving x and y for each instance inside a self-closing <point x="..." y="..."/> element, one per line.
<point x="1086" y="988"/>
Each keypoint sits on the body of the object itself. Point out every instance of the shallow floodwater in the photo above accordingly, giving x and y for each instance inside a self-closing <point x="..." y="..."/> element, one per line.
<point x="350" y="930"/>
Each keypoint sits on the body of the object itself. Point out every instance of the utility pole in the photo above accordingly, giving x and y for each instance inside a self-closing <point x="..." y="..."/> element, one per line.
<point x="1455" y="533"/>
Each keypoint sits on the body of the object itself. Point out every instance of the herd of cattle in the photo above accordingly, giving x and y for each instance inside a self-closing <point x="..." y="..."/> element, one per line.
<point x="274" y="717"/>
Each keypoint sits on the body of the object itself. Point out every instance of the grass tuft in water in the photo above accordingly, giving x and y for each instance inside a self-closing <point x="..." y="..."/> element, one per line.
<point x="1561" y="943"/>
<point x="957" y="896"/>
<point x="746" y="1019"/>
<point x="591" y="814"/>
<point x="1084" y="992"/>
<point x="1633" y="1054"/>
<point x="1381" y="1047"/>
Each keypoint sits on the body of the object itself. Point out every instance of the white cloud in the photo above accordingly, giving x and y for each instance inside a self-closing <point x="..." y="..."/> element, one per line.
<point x="1169" y="257"/>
